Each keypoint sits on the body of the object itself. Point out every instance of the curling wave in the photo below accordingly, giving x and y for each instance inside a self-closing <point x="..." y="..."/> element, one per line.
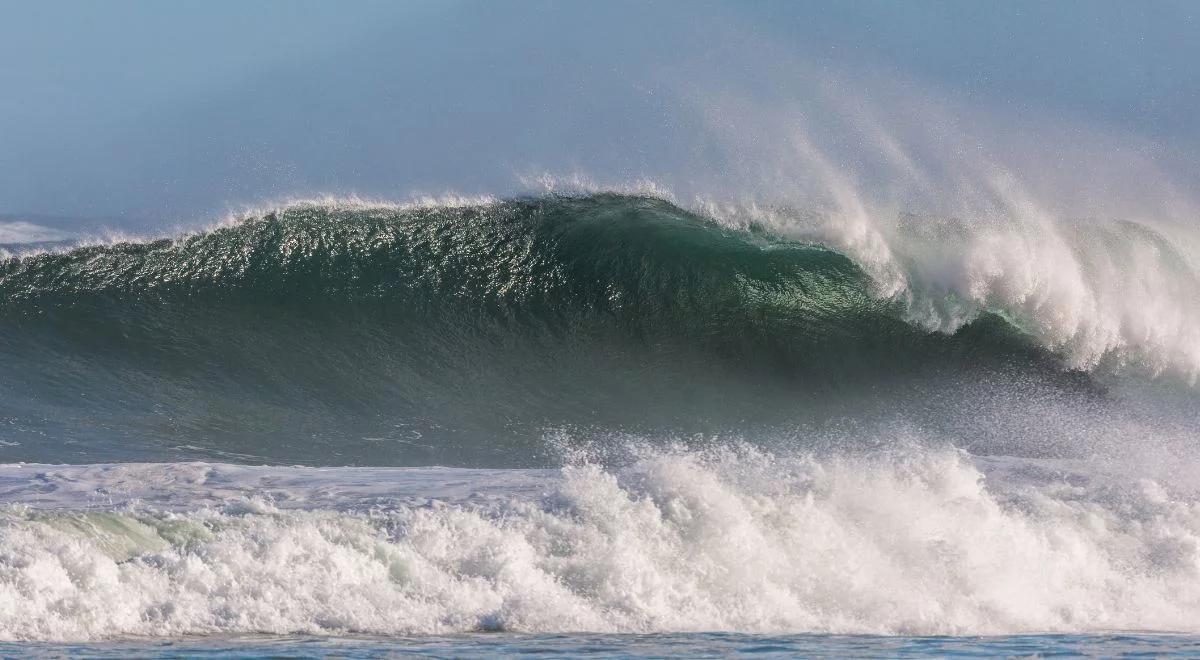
<point x="455" y="333"/>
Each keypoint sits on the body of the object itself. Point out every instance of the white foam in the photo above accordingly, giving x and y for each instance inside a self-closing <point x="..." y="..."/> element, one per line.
<point x="353" y="202"/>
<point x="1034" y="200"/>
<point x="917" y="542"/>
<point x="579" y="183"/>
<point x="193" y="485"/>
<point x="1119" y="292"/>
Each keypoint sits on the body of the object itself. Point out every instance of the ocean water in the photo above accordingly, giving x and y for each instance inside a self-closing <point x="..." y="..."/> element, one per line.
<point x="700" y="645"/>
<point x="600" y="424"/>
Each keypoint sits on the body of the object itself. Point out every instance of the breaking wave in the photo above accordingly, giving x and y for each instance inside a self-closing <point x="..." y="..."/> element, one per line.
<point x="453" y="333"/>
<point x="728" y="538"/>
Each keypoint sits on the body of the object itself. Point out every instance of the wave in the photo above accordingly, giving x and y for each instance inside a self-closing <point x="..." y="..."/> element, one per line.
<point x="17" y="232"/>
<point x="1104" y="295"/>
<point x="728" y="538"/>
<point x="459" y="332"/>
<point x="1055" y="285"/>
<point x="456" y="333"/>
<point x="724" y="420"/>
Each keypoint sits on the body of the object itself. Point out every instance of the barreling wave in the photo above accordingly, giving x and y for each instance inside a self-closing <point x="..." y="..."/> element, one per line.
<point x="358" y="333"/>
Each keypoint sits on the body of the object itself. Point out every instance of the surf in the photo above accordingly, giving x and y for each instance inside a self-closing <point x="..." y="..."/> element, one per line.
<point x="454" y="333"/>
<point x="733" y="538"/>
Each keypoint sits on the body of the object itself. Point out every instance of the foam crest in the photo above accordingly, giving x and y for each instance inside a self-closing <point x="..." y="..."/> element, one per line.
<point x="1119" y="293"/>
<point x="730" y="538"/>
<point x="1084" y="237"/>
<point x="331" y="202"/>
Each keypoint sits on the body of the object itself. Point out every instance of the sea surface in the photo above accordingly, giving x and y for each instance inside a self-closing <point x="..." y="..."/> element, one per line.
<point x="599" y="425"/>
<point x="661" y="645"/>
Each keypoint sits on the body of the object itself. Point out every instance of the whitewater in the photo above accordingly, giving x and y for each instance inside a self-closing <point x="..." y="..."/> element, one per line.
<point x="721" y="419"/>
<point x="731" y="538"/>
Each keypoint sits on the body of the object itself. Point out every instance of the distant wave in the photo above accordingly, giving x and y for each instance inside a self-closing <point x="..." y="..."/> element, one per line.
<point x="17" y="232"/>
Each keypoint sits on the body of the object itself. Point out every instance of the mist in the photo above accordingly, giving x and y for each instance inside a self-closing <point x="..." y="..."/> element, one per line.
<point x="175" y="113"/>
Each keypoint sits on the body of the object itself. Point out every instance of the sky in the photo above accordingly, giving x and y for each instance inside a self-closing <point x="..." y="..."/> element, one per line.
<point x="177" y="111"/>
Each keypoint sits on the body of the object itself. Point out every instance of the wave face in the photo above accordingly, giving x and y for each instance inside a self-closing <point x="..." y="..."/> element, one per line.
<point x="458" y="334"/>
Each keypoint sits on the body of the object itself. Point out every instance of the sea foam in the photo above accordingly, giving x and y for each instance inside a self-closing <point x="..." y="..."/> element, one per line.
<point x="726" y="538"/>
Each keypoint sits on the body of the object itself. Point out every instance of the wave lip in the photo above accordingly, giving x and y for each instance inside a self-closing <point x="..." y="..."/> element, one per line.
<point x="1110" y="295"/>
<point x="730" y="538"/>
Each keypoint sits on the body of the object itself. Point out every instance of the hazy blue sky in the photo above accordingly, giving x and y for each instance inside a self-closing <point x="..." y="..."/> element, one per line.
<point x="176" y="110"/>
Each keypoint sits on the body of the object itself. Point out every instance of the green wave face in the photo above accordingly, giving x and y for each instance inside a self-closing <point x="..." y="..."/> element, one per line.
<point x="358" y="335"/>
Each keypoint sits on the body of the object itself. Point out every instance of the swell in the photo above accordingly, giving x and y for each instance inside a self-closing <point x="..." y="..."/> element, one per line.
<point x="351" y="333"/>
